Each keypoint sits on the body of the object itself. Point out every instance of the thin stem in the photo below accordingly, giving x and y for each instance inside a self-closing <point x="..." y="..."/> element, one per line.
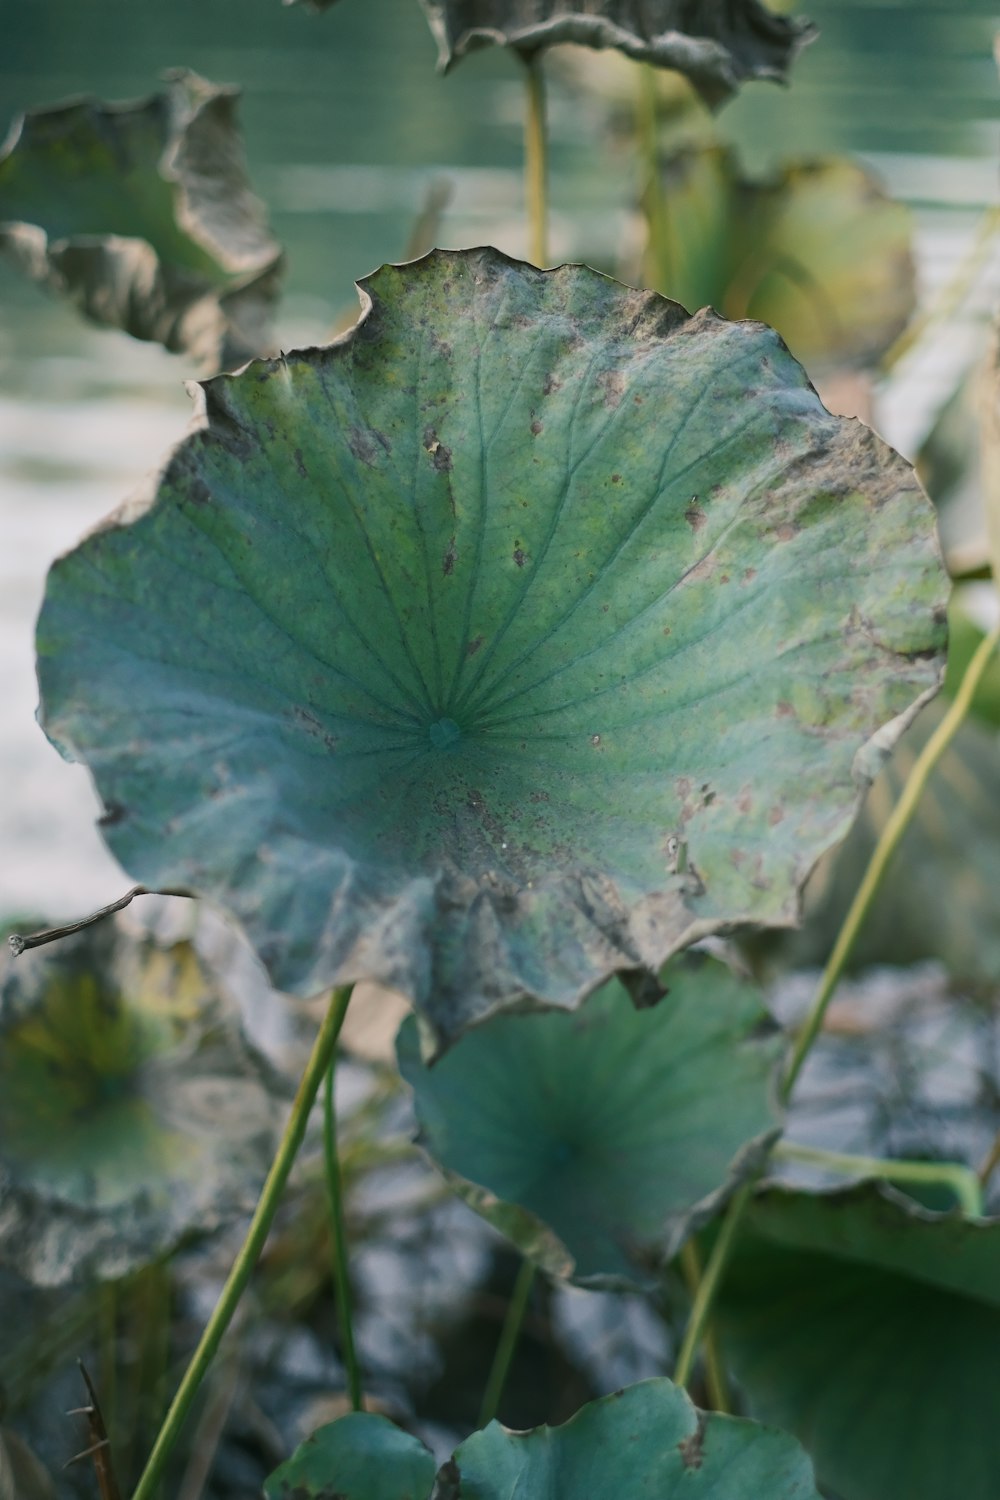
<point x="701" y="1307"/>
<point x="989" y="1163"/>
<point x="260" y="1224"/>
<point x="951" y="296"/>
<point x="889" y="841"/>
<point x="962" y="1181"/>
<point x="341" y="1276"/>
<point x="715" y="1371"/>
<point x="516" y="1309"/>
<point x="886" y="847"/>
<point x="655" y="269"/>
<point x="536" y="165"/>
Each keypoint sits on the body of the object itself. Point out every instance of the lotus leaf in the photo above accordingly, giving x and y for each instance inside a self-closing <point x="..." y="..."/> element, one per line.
<point x="610" y="1135"/>
<point x="717" y="46"/>
<point x="940" y="900"/>
<point x="131" y="1116"/>
<point x="643" y="1442"/>
<point x="525" y="635"/>
<point x="820" y="252"/>
<point x="359" y="1457"/>
<point x="141" y="213"/>
<point x="870" y="1328"/>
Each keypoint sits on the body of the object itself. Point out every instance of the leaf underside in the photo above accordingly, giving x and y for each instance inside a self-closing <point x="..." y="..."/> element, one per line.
<point x="529" y="633"/>
<point x="717" y="47"/>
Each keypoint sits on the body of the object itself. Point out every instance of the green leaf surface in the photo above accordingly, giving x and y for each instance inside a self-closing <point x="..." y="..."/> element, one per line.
<point x="359" y="1457"/>
<point x="717" y="47"/>
<point x="142" y="215"/>
<point x="870" y="1328"/>
<point x="131" y="1115"/>
<point x="819" y="251"/>
<point x="646" y="1442"/>
<point x="599" y="1141"/>
<point x="529" y="633"/>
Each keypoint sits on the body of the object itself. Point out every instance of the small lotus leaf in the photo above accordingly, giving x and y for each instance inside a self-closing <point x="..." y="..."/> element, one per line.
<point x="524" y="636"/>
<point x="870" y="1328"/>
<point x="717" y="46"/>
<point x="142" y="214"/>
<point x="646" y="1442"/>
<point x="820" y="252"/>
<point x="359" y="1457"/>
<point x="620" y="1130"/>
<point x="131" y="1116"/>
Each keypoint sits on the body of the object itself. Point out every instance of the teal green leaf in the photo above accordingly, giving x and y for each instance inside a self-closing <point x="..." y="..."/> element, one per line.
<point x="141" y="214"/>
<point x="646" y="1442"/>
<point x="525" y="635"/>
<point x="599" y="1141"/>
<point x="359" y="1457"/>
<point x="717" y="47"/>
<point x="131" y="1114"/>
<point x="819" y="251"/>
<point x="870" y="1328"/>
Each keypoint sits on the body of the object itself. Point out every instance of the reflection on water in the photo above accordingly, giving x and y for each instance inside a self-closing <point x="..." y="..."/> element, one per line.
<point x="346" y="122"/>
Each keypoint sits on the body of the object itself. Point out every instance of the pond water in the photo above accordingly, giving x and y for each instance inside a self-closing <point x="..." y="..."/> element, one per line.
<point x="346" y="123"/>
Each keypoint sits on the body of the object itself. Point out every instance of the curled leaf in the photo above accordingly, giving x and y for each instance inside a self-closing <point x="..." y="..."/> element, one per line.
<point x="819" y="251"/>
<point x="717" y="46"/>
<point x="522" y="637"/>
<point x="142" y="215"/>
<point x="131" y="1116"/>
<point x="599" y="1141"/>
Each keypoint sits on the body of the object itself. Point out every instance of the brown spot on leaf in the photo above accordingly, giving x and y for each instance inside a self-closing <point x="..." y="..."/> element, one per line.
<point x="536" y="427"/>
<point x="784" y="709"/>
<point x="692" y="1448"/>
<point x="551" y="384"/>
<point x="775" y="816"/>
<point x="694" y="515"/>
<point x="300" y="464"/>
<point x="450" y="558"/>
<point x="786" y="533"/>
<point x="520" y="556"/>
<point x="113" y="813"/>
<point x="440" y="455"/>
<point x="749" y="574"/>
<point x="474" y="646"/>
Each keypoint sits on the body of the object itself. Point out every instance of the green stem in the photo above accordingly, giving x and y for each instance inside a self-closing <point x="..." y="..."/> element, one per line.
<point x="888" y="843"/>
<point x="655" y="269"/>
<point x="341" y="1277"/>
<point x="242" y="1268"/>
<point x="715" y="1370"/>
<point x="536" y="167"/>
<point x="516" y="1309"/>
<point x="701" y="1307"/>
<point x="962" y="1181"/>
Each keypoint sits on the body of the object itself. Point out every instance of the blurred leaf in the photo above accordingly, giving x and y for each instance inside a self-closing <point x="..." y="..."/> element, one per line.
<point x="131" y="1115"/>
<point x="717" y="47"/>
<point x="870" y="1328"/>
<point x="526" y="635"/>
<point x="142" y="215"/>
<point x="820" y="252"/>
<point x="940" y="897"/>
<point x="599" y="1141"/>
<point x="990" y="452"/>
<point x="964" y="638"/>
<point x="359" y="1457"/>
<point x="646" y="1442"/>
<point x="22" y="1475"/>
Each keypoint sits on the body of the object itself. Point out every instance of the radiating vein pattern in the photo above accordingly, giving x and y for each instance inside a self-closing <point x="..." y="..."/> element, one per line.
<point x="447" y="635"/>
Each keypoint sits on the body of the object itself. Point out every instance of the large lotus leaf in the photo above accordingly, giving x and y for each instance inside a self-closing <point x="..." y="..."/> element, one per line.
<point x="940" y="898"/>
<point x="819" y="251"/>
<point x="524" y="636"/>
<point x="142" y="214"/>
<point x="717" y="46"/>
<point x="360" y="1457"/>
<point x="871" y="1329"/>
<point x="646" y="1442"/>
<point x="620" y="1130"/>
<point x="131" y="1116"/>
